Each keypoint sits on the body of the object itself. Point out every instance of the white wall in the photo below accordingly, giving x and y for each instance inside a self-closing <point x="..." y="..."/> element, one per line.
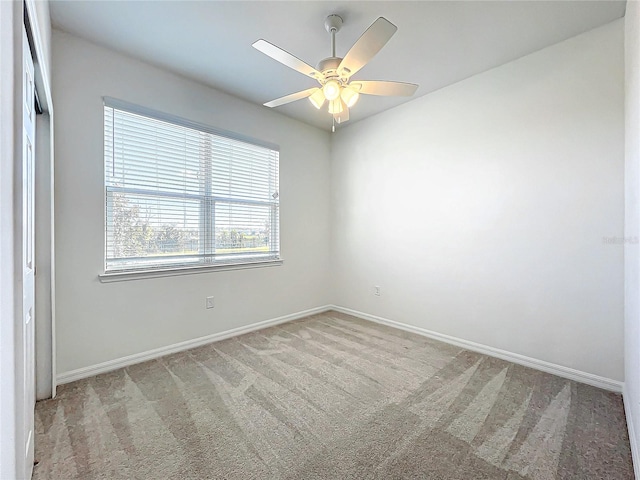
<point x="631" y="226"/>
<point x="44" y="297"/>
<point x="97" y="322"/>
<point x="480" y="209"/>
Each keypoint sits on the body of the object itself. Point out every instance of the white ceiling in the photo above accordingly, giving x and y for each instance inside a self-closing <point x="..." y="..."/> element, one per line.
<point x="437" y="43"/>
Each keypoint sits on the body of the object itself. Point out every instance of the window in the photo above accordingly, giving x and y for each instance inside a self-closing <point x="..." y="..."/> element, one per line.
<point x="182" y="195"/>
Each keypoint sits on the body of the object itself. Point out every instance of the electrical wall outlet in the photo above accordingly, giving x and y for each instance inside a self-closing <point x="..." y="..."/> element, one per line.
<point x="210" y="303"/>
<point x="376" y="291"/>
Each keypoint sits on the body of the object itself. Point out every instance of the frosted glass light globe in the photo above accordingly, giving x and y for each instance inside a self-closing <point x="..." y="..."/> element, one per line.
<point x="331" y="90"/>
<point x="350" y="96"/>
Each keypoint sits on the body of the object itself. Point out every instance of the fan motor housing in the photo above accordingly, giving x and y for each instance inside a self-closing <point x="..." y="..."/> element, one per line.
<point x="329" y="66"/>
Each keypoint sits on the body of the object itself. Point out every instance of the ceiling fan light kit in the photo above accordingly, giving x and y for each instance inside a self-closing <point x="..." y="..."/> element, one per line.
<point x="350" y="96"/>
<point x="335" y="106"/>
<point x="317" y="98"/>
<point x="334" y="73"/>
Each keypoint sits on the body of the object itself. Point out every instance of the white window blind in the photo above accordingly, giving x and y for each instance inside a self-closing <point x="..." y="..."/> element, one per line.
<point x="178" y="195"/>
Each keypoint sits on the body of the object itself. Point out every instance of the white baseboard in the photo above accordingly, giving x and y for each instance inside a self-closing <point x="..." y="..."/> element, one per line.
<point x="632" y="434"/>
<point x="559" y="370"/>
<point x="85" y="372"/>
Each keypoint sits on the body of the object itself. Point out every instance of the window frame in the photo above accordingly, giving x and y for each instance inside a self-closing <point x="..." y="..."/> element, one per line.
<point x="207" y="201"/>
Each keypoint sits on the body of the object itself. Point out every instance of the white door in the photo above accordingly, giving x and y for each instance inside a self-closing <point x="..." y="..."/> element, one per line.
<point x="28" y="270"/>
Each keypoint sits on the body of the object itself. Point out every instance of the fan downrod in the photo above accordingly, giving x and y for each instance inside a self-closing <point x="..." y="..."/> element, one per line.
<point x="329" y="65"/>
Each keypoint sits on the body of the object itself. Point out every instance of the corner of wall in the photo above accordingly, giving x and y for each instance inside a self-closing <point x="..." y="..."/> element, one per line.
<point x="632" y="226"/>
<point x="633" y="439"/>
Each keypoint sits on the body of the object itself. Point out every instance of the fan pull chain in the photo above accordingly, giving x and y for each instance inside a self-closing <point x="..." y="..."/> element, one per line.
<point x="333" y="126"/>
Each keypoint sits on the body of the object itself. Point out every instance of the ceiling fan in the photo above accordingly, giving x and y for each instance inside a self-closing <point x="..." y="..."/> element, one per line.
<point x="334" y="73"/>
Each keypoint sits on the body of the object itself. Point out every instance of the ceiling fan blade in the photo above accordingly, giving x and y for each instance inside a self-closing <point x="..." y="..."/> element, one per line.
<point x="286" y="59"/>
<point x="379" y="87"/>
<point x="292" y="97"/>
<point x="365" y="48"/>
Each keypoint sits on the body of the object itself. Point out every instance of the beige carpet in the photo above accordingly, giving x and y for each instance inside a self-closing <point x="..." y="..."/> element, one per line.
<point x="331" y="397"/>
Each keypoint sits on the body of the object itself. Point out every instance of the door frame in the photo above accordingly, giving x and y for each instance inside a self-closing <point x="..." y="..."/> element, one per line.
<point x="44" y="210"/>
<point x="8" y="388"/>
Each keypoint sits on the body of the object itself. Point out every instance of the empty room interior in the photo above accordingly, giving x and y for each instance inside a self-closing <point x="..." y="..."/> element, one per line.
<point x="319" y="240"/>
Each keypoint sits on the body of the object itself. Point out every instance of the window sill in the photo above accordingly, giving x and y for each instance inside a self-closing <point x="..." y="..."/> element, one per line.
<point x="109" y="277"/>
